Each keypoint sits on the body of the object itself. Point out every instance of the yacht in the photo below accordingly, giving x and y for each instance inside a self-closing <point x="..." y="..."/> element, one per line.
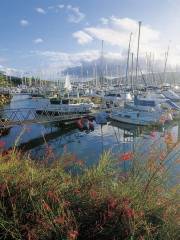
<point x="138" y="118"/>
<point x="67" y="106"/>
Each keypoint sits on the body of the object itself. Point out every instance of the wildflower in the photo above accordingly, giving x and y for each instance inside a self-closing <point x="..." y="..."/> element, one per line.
<point x="128" y="212"/>
<point x="112" y="203"/>
<point x="93" y="194"/>
<point x="53" y="196"/>
<point x="80" y="163"/>
<point x="67" y="204"/>
<point x="73" y="234"/>
<point x="77" y="191"/>
<point x="46" y="207"/>
<point x="126" y="156"/>
<point x="2" y="144"/>
<point x="59" y="220"/>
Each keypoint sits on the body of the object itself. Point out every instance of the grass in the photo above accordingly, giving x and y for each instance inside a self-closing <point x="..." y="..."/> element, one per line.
<point x="38" y="201"/>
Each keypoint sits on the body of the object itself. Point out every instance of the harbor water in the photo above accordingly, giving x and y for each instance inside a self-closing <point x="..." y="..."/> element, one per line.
<point x="87" y="145"/>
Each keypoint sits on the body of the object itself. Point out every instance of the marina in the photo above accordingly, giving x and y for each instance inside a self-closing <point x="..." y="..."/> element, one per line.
<point x="34" y="130"/>
<point x="89" y="120"/>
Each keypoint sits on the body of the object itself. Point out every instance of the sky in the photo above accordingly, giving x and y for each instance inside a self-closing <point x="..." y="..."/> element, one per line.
<point x="44" y="37"/>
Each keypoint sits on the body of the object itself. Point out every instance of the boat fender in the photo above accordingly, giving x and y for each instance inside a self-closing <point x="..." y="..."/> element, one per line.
<point x="79" y="124"/>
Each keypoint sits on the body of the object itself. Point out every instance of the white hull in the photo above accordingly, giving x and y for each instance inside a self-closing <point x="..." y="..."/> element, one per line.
<point x="130" y="121"/>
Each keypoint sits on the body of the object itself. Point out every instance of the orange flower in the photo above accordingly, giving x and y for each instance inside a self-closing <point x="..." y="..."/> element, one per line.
<point x="93" y="194"/>
<point x="46" y="207"/>
<point x="126" y="156"/>
<point x="73" y="234"/>
<point x="77" y="191"/>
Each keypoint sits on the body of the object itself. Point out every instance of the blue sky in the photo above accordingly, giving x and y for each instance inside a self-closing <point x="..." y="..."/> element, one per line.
<point x="50" y="35"/>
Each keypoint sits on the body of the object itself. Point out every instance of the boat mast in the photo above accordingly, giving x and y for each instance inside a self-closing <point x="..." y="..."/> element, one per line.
<point x="165" y="64"/>
<point x="127" y="66"/>
<point x="102" y="58"/>
<point x="137" y="58"/>
<point x="132" y="69"/>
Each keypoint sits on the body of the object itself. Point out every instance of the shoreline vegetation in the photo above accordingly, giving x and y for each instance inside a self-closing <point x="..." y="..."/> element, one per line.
<point x="66" y="200"/>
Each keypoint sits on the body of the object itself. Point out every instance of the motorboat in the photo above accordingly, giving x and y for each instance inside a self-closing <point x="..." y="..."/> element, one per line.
<point x="67" y="106"/>
<point x="140" y="118"/>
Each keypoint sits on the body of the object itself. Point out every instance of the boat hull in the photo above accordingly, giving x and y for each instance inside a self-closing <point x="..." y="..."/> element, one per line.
<point x="130" y="121"/>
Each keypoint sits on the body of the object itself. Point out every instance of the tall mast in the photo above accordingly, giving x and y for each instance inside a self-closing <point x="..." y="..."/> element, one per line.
<point x="165" y="64"/>
<point x="137" y="58"/>
<point x="132" y="70"/>
<point x="102" y="58"/>
<point x="127" y="66"/>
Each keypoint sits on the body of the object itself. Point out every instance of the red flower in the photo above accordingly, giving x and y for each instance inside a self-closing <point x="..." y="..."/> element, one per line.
<point x="72" y="235"/>
<point x="93" y="194"/>
<point x="46" y="207"/>
<point x="126" y="156"/>
<point x="112" y="203"/>
<point x="128" y="212"/>
<point x="77" y="191"/>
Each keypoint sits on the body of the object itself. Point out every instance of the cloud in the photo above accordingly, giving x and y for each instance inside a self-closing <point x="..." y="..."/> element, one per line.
<point x="116" y="31"/>
<point x="104" y="20"/>
<point x="55" y="61"/>
<point x="61" y="6"/>
<point x="67" y="59"/>
<point x="24" y="23"/>
<point x="38" y="40"/>
<point x="82" y="37"/>
<point x="74" y="14"/>
<point x="40" y="10"/>
<point x="11" y="71"/>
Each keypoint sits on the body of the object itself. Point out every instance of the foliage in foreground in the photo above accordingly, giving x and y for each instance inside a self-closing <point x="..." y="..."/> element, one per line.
<point x="47" y="202"/>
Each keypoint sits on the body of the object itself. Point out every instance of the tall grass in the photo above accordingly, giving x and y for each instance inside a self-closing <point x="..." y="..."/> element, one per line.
<point x="102" y="202"/>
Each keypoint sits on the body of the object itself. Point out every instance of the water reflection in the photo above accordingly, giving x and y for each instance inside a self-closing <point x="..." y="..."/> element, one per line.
<point x="87" y="145"/>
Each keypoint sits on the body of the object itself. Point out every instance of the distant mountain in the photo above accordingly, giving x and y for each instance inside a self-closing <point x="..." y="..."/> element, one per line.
<point x="97" y="68"/>
<point x="5" y="79"/>
<point x="116" y="68"/>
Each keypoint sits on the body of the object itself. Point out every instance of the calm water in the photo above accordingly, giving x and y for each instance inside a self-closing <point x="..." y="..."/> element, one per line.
<point x="87" y="145"/>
